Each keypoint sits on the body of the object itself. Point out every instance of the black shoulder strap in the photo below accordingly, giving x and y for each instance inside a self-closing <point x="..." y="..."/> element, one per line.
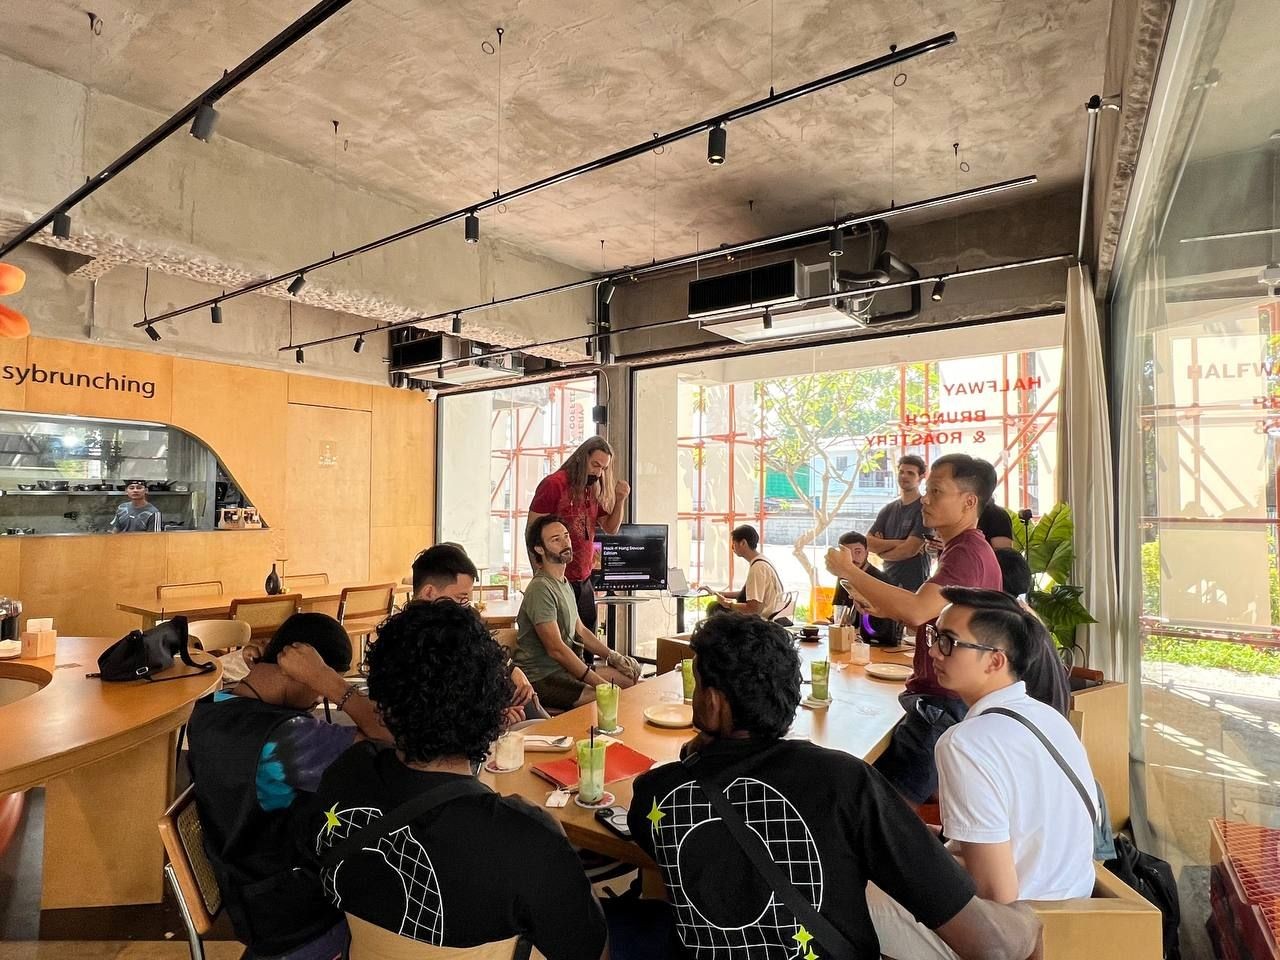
<point x="1053" y="752"/>
<point x="401" y="816"/>
<point x="835" y="943"/>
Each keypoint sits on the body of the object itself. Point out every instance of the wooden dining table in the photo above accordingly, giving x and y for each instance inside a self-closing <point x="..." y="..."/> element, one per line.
<point x="858" y="721"/>
<point x="212" y="606"/>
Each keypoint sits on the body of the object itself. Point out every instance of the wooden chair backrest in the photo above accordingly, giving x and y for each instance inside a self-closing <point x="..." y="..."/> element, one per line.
<point x="295" y="580"/>
<point x="265" y="614"/>
<point x="507" y="637"/>
<point x="1116" y="923"/>
<point x="218" y="636"/>
<point x="194" y="588"/>
<point x="363" y="602"/>
<point x="183" y="837"/>
<point x="371" y="942"/>
<point x="499" y="590"/>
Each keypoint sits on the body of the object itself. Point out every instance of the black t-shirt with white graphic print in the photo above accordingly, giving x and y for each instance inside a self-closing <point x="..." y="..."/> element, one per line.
<point x="478" y="869"/>
<point x="826" y="817"/>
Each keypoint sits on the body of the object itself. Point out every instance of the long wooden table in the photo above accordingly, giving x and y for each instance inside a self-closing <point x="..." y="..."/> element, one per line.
<point x="857" y="722"/>
<point x="497" y="614"/>
<point x="105" y="753"/>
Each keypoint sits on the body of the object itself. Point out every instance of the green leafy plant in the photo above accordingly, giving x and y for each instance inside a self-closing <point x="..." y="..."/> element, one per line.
<point x="1050" y="551"/>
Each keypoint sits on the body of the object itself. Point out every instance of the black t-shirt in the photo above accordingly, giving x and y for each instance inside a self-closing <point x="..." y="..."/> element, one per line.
<point x="828" y="818"/>
<point x="994" y="521"/>
<point x="478" y="869"/>
<point x="898" y="521"/>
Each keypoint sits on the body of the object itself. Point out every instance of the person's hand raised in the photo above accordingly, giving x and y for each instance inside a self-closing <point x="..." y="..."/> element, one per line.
<point x="303" y="664"/>
<point x="621" y="489"/>
<point x="839" y="562"/>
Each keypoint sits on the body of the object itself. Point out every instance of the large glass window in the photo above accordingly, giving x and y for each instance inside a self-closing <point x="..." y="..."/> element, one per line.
<point x="527" y="431"/>
<point x="1196" y="326"/>
<point x="804" y="444"/>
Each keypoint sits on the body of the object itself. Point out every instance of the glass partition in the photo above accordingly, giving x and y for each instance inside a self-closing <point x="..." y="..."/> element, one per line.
<point x="68" y="475"/>
<point x="1196" y="338"/>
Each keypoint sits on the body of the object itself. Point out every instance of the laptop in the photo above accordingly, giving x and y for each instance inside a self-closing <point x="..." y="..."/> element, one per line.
<point x="677" y="582"/>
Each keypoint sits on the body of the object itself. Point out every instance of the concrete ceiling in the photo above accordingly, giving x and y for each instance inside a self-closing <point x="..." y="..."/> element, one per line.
<point x="415" y="97"/>
<point x="1243" y="110"/>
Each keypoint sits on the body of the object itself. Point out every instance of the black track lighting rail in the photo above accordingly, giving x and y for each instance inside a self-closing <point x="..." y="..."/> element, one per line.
<point x="688" y="260"/>
<point x="640" y="149"/>
<point x="229" y="80"/>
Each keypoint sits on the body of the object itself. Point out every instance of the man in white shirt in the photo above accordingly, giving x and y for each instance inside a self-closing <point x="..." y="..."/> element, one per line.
<point x="762" y="593"/>
<point x="1010" y="813"/>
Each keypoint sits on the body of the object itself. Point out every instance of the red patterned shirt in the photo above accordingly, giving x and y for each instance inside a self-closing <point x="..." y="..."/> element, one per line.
<point x="579" y="513"/>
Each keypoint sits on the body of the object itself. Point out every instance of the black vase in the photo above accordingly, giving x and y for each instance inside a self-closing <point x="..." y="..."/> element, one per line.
<point x="272" y="586"/>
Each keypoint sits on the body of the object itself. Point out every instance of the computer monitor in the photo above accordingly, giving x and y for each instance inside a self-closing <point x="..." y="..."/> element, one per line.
<point x="634" y="558"/>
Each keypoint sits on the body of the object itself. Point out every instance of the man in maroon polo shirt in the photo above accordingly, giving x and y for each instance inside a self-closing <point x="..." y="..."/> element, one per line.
<point x="958" y="488"/>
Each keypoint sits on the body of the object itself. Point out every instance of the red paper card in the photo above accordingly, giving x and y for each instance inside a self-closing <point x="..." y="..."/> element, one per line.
<point x="620" y="763"/>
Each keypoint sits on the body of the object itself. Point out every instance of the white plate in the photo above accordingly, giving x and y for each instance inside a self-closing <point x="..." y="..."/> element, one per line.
<point x="10" y="649"/>
<point x="888" y="671"/>
<point x="672" y="715"/>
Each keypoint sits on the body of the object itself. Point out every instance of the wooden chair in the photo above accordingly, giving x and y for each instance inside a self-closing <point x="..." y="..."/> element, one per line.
<point x="1116" y="923"/>
<point x="188" y="871"/>
<point x="296" y="580"/>
<point x="220" y="636"/>
<point x="786" y="613"/>
<point x="499" y="591"/>
<point x="265" y="614"/>
<point x="194" y="588"/>
<point x="361" y="609"/>
<point x="371" y="942"/>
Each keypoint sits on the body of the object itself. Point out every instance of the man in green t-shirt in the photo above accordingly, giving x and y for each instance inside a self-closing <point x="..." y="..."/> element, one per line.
<point x="554" y="648"/>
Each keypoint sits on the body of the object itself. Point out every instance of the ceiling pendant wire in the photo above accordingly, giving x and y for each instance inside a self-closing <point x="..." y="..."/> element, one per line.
<point x="955" y="219"/>
<point x="498" y="179"/>
<point x="146" y="289"/>
<point x="653" y="190"/>
<point x="771" y="2"/>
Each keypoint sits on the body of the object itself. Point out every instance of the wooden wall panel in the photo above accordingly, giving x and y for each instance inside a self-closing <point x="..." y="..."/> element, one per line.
<point x="392" y="549"/>
<point x="319" y="392"/>
<point x="327" y="505"/>
<point x="10" y="566"/>
<point x="71" y="357"/>
<point x="241" y="559"/>
<point x="240" y="413"/>
<point x="13" y="354"/>
<point x="403" y="454"/>
<point x="78" y="580"/>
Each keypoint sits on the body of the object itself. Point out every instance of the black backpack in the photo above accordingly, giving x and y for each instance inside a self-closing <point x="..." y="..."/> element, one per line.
<point x="139" y="655"/>
<point x="1153" y="878"/>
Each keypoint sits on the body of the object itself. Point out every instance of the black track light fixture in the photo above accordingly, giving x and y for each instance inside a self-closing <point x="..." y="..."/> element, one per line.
<point x="215" y="313"/>
<point x="471" y="228"/>
<point x="717" y="144"/>
<point x="836" y="245"/>
<point x="203" y="123"/>
<point x="62" y="225"/>
<point x="455" y="325"/>
<point x="359" y="344"/>
<point x="939" y="291"/>
<point x="295" y="288"/>
<point x="607" y="291"/>
<point x="153" y="333"/>
<point x="298" y="357"/>
<point x="768" y="320"/>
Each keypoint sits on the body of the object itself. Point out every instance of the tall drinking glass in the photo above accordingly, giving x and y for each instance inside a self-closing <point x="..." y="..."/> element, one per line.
<point x="606" y="707"/>
<point x="821" y="672"/>
<point x="686" y="674"/>
<point x="590" y="770"/>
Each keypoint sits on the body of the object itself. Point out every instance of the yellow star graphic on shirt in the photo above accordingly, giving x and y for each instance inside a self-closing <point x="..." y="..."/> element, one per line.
<point x="810" y="955"/>
<point x="655" y="815"/>
<point x="802" y="937"/>
<point x="331" y="819"/>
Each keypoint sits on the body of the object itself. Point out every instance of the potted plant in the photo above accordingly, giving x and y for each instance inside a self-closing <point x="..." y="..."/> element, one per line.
<point x="1049" y="546"/>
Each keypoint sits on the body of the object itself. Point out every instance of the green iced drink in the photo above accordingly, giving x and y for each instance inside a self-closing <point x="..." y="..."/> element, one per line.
<point x="686" y="672"/>
<point x="606" y="707"/>
<point x="821" y="670"/>
<point x="590" y="770"/>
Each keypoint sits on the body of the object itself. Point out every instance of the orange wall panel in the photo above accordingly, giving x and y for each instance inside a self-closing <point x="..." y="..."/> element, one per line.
<point x="13" y="361"/>
<point x="100" y="374"/>
<point x="319" y="392"/>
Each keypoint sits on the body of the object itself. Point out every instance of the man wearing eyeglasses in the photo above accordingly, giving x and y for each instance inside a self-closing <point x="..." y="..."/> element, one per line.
<point x="958" y="488"/>
<point x="1009" y="811"/>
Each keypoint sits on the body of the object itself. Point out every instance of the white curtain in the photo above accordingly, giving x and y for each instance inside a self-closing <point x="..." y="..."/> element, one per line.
<point x="1085" y="474"/>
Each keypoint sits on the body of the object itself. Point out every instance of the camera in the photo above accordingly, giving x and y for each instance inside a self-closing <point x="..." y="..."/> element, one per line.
<point x="1270" y="278"/>
<point x="1024" y="516"/>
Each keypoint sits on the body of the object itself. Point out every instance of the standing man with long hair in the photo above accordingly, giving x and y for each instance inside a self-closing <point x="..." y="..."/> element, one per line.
<point x="584" y="495"/>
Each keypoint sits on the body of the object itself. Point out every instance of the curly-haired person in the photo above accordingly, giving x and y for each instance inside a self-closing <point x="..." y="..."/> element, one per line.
<point x="469" y="866"/>
<point x="824" y="817"/>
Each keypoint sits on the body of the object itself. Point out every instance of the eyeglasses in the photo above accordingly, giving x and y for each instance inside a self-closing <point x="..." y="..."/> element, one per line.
<point x="946" y="642"/>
